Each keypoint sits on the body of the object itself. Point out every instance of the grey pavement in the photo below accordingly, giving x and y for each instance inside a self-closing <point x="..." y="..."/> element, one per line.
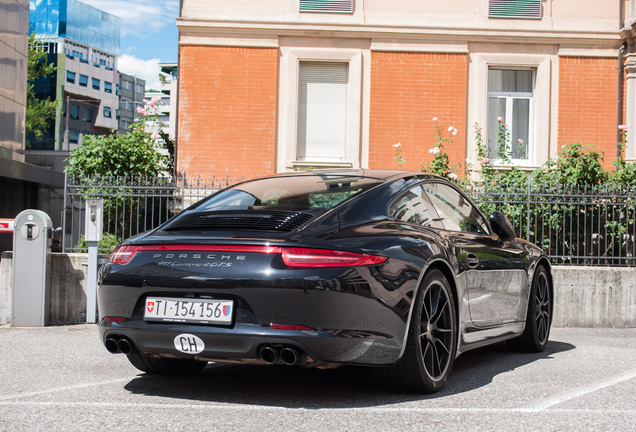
<point x="62" y="379"/>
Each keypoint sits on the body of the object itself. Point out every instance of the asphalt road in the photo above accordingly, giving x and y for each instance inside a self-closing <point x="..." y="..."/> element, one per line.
<point x="62" y="379"/>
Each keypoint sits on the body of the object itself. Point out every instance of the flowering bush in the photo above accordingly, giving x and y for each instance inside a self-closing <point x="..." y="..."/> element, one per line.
<point x="489" y="174"/>
<point x="576" y="165"/>
<point x="625" y="173"/>
<point x="398" y="154"/>
<point x="487" y="171"/>
<point x="440" y="163"/>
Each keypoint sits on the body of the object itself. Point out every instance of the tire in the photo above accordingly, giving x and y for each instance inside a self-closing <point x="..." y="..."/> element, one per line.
<point x="539" y="317"/>
<point x="166" y="366"/>
<point x="431" y="343"/>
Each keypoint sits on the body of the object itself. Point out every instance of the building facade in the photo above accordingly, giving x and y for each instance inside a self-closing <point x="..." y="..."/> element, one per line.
<point x="22" y="185"/>
<point x="169" y="98"/>
<point x="131" y="91"/>
<point x="83" y="43"/>
<point x="276" y="85"/>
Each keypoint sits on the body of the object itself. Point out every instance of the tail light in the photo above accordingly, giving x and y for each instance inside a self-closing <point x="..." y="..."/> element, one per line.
<point x="123" y="254"/>
<point x="306" y="257"/>
<point x="292" y="257"/>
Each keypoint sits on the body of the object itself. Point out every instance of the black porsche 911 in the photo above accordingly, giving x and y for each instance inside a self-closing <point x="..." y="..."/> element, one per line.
<point x="397" y="271"/>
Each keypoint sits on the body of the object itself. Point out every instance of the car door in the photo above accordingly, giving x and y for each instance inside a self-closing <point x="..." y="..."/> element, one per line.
<point x="495" y="271"/>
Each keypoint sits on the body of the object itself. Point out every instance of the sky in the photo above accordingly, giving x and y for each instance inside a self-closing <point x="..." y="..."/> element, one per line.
<point x="148" y="35"/>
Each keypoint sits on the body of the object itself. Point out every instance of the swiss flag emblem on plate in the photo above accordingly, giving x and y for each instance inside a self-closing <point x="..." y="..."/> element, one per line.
<point x="150" y="306"/>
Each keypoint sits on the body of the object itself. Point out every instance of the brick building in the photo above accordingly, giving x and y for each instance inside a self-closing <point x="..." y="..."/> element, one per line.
<point x="275" y="85"/>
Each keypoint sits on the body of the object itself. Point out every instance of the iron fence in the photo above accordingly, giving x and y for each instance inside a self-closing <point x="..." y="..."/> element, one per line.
<point x="590" y="225"/>
<point x="576" y="225"/>
<point x="131" y="205"/>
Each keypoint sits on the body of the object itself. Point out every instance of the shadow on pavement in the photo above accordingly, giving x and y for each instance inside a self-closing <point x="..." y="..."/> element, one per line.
<point x="345" y="387"/>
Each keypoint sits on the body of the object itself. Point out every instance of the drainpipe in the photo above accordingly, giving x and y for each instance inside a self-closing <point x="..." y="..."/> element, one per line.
<point x="619" y="104"/>
<point x="175" y="98"/>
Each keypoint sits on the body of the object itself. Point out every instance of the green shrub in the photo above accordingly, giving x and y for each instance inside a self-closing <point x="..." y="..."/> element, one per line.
<point x="108" y="243"/>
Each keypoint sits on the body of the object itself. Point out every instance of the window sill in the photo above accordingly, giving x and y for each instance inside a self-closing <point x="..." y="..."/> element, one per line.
<point x="322" y="164"/>
<point x="508" y="167"/>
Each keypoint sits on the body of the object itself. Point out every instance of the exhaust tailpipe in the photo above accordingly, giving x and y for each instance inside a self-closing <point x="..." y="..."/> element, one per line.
<point x="291" y="356"/>
<point x="269" y="355"/>
<point x="125" y="345"/>
<point x="111" y="345"/>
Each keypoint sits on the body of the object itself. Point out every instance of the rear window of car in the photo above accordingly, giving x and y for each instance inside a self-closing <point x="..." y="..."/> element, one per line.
<point x="317" y="191"/>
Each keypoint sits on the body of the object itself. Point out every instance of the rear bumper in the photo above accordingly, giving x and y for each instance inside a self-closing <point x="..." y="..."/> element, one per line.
<point x="245" y="341"/>
<point x="357" y="315"/>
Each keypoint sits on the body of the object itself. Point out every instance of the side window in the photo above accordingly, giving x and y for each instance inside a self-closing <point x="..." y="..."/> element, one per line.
<point x="455" y="212"/>
<point x="414" y="207"/>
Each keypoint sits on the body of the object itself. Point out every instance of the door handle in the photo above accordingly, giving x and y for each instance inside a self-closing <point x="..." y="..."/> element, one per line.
<point x="472" y="260"/>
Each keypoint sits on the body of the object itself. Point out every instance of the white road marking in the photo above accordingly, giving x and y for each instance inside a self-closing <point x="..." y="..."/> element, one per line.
<point x="545" y="404"/>
<point x="582" y="391"/>
<point x="383" y="410"/>
<point x="59" y="389"/>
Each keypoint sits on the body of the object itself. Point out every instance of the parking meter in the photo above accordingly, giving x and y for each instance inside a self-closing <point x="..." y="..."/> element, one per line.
<point x="32" y="240"/>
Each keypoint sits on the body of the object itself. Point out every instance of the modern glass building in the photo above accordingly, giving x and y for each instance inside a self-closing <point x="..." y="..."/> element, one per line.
<point x="83" y="43"/>
<point x="77" y="21"/>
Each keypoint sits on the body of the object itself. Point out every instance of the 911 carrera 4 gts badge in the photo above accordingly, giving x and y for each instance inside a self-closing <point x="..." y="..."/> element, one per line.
<point x="189" y="344"/>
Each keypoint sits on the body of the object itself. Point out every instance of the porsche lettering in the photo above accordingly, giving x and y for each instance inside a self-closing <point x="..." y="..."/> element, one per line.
<point x="198" y="256"/>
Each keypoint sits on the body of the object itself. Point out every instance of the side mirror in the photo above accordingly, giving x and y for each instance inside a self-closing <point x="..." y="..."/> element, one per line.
<point x="502" y="227"/>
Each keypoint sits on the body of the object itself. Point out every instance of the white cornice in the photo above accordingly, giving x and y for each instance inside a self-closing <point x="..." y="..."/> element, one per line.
<point x="259" y="33"/>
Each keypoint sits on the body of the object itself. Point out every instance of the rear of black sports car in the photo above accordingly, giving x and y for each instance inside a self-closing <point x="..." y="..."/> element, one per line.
<point x="263" y="272"/>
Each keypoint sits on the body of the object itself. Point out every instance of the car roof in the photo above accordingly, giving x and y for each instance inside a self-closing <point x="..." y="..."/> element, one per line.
<point x="380" y="174"/>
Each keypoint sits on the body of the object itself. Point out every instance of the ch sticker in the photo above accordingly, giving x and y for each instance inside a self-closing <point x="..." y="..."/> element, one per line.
<point x="189" y="344"/>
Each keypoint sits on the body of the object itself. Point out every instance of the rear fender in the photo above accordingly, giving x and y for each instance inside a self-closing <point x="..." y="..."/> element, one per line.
<point x="439" y="263"/>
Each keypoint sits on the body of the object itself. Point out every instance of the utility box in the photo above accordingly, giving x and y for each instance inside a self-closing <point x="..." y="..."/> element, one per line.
<point x="94" y="219"/>
<point x="32" y="240"/>
<point x="94" y="232"/>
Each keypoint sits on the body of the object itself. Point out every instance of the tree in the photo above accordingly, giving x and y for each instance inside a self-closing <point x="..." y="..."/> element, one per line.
<point x="112" y="164"/>
<point x="134" y="154"/>
<point x="39" y="112"/>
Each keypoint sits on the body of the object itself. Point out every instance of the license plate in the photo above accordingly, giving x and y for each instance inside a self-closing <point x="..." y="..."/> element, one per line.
<point x="205" y="311"/>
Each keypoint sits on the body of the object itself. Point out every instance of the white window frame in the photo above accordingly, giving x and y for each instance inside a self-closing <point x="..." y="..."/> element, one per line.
<point x="486" y="56"/>
<point x="330" y="144"/>
<point x="510" y="97"/>
<point x="287" y="140"/>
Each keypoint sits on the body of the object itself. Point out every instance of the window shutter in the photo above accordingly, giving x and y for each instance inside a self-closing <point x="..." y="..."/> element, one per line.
<point x="322" y="111"/>
<point x="334" y="6"/>
<point x="529" y="9"/>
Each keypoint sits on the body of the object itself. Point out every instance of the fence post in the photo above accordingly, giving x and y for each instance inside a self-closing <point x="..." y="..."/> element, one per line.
<point x="183" y="178"/>
<point x="64" y="211"/>
<point x="528" y="211"/>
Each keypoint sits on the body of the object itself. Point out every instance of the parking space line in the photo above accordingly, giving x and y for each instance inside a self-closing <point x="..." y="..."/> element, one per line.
<point x="383" y="410"/>
<point x="582" y="391"/>
<point x="59" y="389"/>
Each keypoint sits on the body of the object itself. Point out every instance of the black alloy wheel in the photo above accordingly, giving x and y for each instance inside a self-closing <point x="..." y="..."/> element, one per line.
<point x="539" y="316"/>
<point x="437" y="330"/>
<point x="432" y="341"/>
